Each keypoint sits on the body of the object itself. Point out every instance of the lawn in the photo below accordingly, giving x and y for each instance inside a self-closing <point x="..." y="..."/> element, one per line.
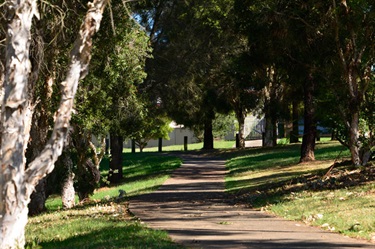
<point x="218" y="144"/>
<point x="272" y="180"/>
<point x="105" y="222"/>
<point x="268" y="179"/>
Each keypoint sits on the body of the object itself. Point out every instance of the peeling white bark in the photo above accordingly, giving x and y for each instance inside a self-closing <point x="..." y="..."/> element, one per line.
<point x="1" y="101"/>
<point x="16" y="184"/>
<point x="13" y="203"/>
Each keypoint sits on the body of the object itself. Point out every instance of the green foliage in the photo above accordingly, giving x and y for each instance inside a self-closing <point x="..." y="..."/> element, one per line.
<point x="222" y="125"/>
<point x="184" y="73"/>
<point x="108" y="96"/>
<point x="151" y="127"/>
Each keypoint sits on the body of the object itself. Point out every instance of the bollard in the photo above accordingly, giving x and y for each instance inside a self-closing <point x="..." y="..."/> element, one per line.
<point x="133" y="146"/>
<point x="160" y="144"/>
<point x="185" y="143"/>
<point x="237" y="140"/>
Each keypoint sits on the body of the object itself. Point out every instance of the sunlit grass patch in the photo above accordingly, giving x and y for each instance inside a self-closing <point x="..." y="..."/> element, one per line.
<point x="273" y="180"/>
<point x="218" y="144"/>
<point x="142" y="173"/>
<point x="258" y="167"/>
<point x="99" y="226"/>
<point x="348" y="211"/>
<point x="102" y="222"/>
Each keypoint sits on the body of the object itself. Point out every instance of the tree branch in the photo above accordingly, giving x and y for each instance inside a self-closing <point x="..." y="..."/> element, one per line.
<point x="1" y="99"/>
<point x="337" y="39"/>
<point x="98" y="158"/>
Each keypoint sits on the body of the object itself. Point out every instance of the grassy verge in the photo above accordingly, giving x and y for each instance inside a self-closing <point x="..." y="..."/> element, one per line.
<point x="273" y="180"/>
<point x="142" y="172"/>
<point x="105" y="223"/>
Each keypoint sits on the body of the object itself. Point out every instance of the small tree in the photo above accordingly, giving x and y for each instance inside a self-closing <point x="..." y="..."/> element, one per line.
<point x="110" y="97"/>
<point x="353" y="29"/>
<point x="152" y="127"/>
<point x="16" y="182"/>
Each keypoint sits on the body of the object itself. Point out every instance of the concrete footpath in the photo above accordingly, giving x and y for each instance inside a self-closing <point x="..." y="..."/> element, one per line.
<point x="192" y="206"/>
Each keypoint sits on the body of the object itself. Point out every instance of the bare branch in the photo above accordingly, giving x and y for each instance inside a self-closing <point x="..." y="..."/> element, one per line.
<point x="129" y="14"/>
<point x="59" y="21"/>
<point x="111" y="16"/>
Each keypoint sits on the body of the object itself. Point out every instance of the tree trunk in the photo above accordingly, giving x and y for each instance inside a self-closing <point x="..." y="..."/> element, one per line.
<point x="14" y="137"/>
<point x="89" y="177"/>
<point x="39" y="138"/>
<point x="67" y="186"/>
<point x="241" y="129"/>
<point x="38" y="198"/>
<point x="270" y="109"/>
<point x="270" y="138"/>
<point x="16" y="183"/>
<point x="356" y="98"/>
<point x="354" y="138"/>
<point x="351" y="56"/>
<point x="208" y="139"/>
<point x="115" y="165"/>
<point x="294" y="132"/>
<point x="309" y="134"/>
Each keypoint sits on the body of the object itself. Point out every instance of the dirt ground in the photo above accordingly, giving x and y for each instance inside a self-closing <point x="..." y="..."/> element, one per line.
<point x="193" y="207"/>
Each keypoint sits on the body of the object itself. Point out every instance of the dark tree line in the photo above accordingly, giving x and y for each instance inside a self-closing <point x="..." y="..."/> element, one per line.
<point x="280" y="59"/>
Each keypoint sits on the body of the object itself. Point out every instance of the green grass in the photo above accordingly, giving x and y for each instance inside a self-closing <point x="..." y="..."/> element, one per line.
<point x="348" y="211"/>
<point x="258" y="167"/>
<point x="218" y="144"/>
<point x="102" y="223"/>
<point x="273" y="180"/>
<point x="100" y="226"/>
<point x="142" y="172"/>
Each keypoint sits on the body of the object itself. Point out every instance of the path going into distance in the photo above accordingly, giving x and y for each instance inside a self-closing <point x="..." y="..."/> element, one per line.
<point x="192" y="207"/>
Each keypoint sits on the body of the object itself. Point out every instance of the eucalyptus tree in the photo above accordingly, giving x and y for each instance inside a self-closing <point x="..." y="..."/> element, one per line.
<point x="241" y="88"/>
<point x="310" y="53"/>
<point x="292" y="37"/>
<point x="50" y="46"/>
<point x="264" y="29"/>
<point x="353" y="32"/>
<point x="16" y="182"/>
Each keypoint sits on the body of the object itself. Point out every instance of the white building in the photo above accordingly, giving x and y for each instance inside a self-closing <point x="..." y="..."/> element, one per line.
<point x="176" y="137"/>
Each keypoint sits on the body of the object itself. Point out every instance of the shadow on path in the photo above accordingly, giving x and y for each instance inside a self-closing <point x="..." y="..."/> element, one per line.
<point x="192" y="206"/>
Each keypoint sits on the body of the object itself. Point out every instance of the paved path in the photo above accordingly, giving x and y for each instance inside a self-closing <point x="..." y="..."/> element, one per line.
<point x="192" y="207"/>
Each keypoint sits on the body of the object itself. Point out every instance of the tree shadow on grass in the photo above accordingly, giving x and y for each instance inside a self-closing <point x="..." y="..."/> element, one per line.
<point x="129" y="235"/>
<point x="144" y="165"/>
<point x="272" y="188"/>
<point x="263" y="158"/>
<point x="103" y="225"/>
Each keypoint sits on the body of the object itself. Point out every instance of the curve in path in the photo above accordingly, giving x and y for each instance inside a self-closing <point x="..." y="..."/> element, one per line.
<point x="191" y="206"/>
